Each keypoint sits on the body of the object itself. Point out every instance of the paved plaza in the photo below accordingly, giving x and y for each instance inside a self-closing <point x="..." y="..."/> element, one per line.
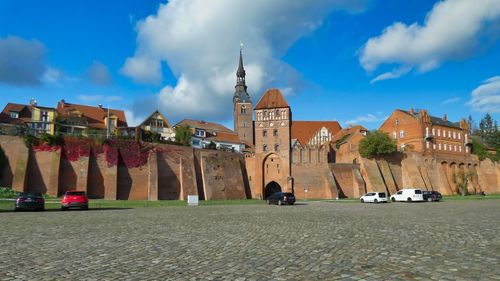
<point x="457" y="240"/>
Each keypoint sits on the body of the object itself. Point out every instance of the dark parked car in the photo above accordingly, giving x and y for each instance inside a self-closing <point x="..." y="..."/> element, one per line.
<point x="30" y="201"/>
<point x="432" y="196"/>
<point x="74" y="199"/>
<point x="281" y="198"/>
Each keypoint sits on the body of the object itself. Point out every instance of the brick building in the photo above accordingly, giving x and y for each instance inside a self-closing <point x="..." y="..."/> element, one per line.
<point x="282" y="147"/>
<point x="420" y="132"/>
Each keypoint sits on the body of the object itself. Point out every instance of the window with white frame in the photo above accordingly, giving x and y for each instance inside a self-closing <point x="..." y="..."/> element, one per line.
<point x="434" y="146"/>
<point x="397" y="122"/>
<point x="427" y="144"/>
<point x="401" y="134"/>
<point x="439" y="133"/>
<point x="466" y="149"/>
<point x="445" y="147"/>
<point x="433" y="131"/>
<point x="14" y="114"/>
<point x="199" y="133"/>
<point x="454" y="135"/>
<point x="439" y="146"/>
<point x="394" y="135"/>
<point x="460" y="148"/>
<point x="449" y="134"/>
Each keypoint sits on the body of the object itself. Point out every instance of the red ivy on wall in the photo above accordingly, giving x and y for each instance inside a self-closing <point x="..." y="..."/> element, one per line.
<point x="132" y="153"/>
<point x="74" y="149"/>
<point x="46" y="147"/>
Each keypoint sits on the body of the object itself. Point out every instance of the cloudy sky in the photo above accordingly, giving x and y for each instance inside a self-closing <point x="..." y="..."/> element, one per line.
<point x="346" y="60"/>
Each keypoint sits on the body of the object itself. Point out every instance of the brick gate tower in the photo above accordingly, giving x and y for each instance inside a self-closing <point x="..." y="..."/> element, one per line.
<point x="242" y="106"/>
<point x="272" y="144"/>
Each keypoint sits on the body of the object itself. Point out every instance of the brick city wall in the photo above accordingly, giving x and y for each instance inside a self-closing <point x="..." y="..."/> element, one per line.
<point x="170" y="172"/>
<point x="173" y="172"/>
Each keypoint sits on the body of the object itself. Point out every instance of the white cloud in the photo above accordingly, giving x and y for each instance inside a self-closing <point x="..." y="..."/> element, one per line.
<point x="486" y="97"/>
<point x="132" y="119"/>
<point x="199" y="41"/>
<point x="143" y="69"/>
<point x="21" y="61"/>
<point x="391" y="75"/>
<point x="99" y="98"/>
<point x="451" y="101"/>
<point x="453" y="30"/>
<point x="52" y="75"/>
<point x="368" y="118"/>
<point x="98" y="74"/>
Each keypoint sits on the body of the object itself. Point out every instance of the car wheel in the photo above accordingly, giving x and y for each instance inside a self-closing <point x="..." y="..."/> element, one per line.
<point x="429" y="199"/>
<point x="280" y="203"/>
<point x="409" y="199"/>
<point x="64" y="208"/>
<point x="362" y="201"/>
<point x="393" y="199"/>
<point x="85" y="207"/>
<point x="376" y="201"/>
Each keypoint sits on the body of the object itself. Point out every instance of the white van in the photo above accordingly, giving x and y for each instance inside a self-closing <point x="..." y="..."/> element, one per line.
<point x="408" y="195"/>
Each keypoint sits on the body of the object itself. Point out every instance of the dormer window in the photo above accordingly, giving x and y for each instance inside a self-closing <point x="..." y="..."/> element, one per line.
<point x="199" y="133"/>
<point x="14" y="114"/>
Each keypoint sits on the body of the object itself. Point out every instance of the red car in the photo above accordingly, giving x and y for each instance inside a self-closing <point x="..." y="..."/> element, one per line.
<point x="74" y="199"/>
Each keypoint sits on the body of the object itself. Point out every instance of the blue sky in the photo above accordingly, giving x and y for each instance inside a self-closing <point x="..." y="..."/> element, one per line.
<point x="326" y="56"/>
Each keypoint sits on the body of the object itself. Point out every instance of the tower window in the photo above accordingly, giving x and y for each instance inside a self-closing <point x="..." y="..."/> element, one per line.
<point x="243" y="109"/>
<point x="276" y="147"/>
<point x="264" y="147"/>
<point x="275" y="132"/>
<point x="264" y="133"/>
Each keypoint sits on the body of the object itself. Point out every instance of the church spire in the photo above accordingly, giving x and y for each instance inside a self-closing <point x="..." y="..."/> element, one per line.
<point x="241" y="70"/>
<point x="240" y="93"/>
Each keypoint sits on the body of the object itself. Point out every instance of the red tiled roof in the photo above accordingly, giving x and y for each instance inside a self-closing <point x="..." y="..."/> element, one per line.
<point x="303" y="131"/>
<point x="272" y="98"/>
<point x="23" y="110"/>
<point x="210" y="126"/>
<point x="226" y="137"/>
<point x="347" y="131"/>
<point x="95" y="115"/>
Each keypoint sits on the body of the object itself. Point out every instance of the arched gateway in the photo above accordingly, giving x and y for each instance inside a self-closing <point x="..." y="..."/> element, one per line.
<point x="271" y="188"/>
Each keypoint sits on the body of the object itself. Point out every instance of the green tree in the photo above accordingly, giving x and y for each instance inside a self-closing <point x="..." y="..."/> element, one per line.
<point x="472" y="126"/>
<point x="461" y="179"/>
<point x="212" y="145"/>
<point x="183" y="135"/>
<point x="376" y="143"/>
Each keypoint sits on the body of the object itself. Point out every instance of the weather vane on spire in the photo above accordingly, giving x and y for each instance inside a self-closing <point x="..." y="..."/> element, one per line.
<point x="241" y="45"/>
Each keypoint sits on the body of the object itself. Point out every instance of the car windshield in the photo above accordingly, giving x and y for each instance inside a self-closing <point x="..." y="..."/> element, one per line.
<point x="418" y="191"/>
<point x="381" y="194"/>
<point x="75" y="193"/>
<point x="27" y="194"/>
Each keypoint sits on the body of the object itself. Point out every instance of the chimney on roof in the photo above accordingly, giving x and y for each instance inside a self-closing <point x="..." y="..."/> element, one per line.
<point x="100" y="106"/>
<point x="33" y="101"/>
<point x="444" y="118"/>
<point x="412" y="111"/>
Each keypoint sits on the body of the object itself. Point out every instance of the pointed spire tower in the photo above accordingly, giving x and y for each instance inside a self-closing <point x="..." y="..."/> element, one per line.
<point x="240" y="93"/>
<point x="243" y="124"/>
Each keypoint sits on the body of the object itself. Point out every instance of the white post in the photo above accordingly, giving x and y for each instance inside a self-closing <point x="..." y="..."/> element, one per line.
<point x="107" y="125"/>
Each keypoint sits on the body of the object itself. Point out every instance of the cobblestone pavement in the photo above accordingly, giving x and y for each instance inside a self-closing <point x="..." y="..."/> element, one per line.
<point x="317" y="241"/>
